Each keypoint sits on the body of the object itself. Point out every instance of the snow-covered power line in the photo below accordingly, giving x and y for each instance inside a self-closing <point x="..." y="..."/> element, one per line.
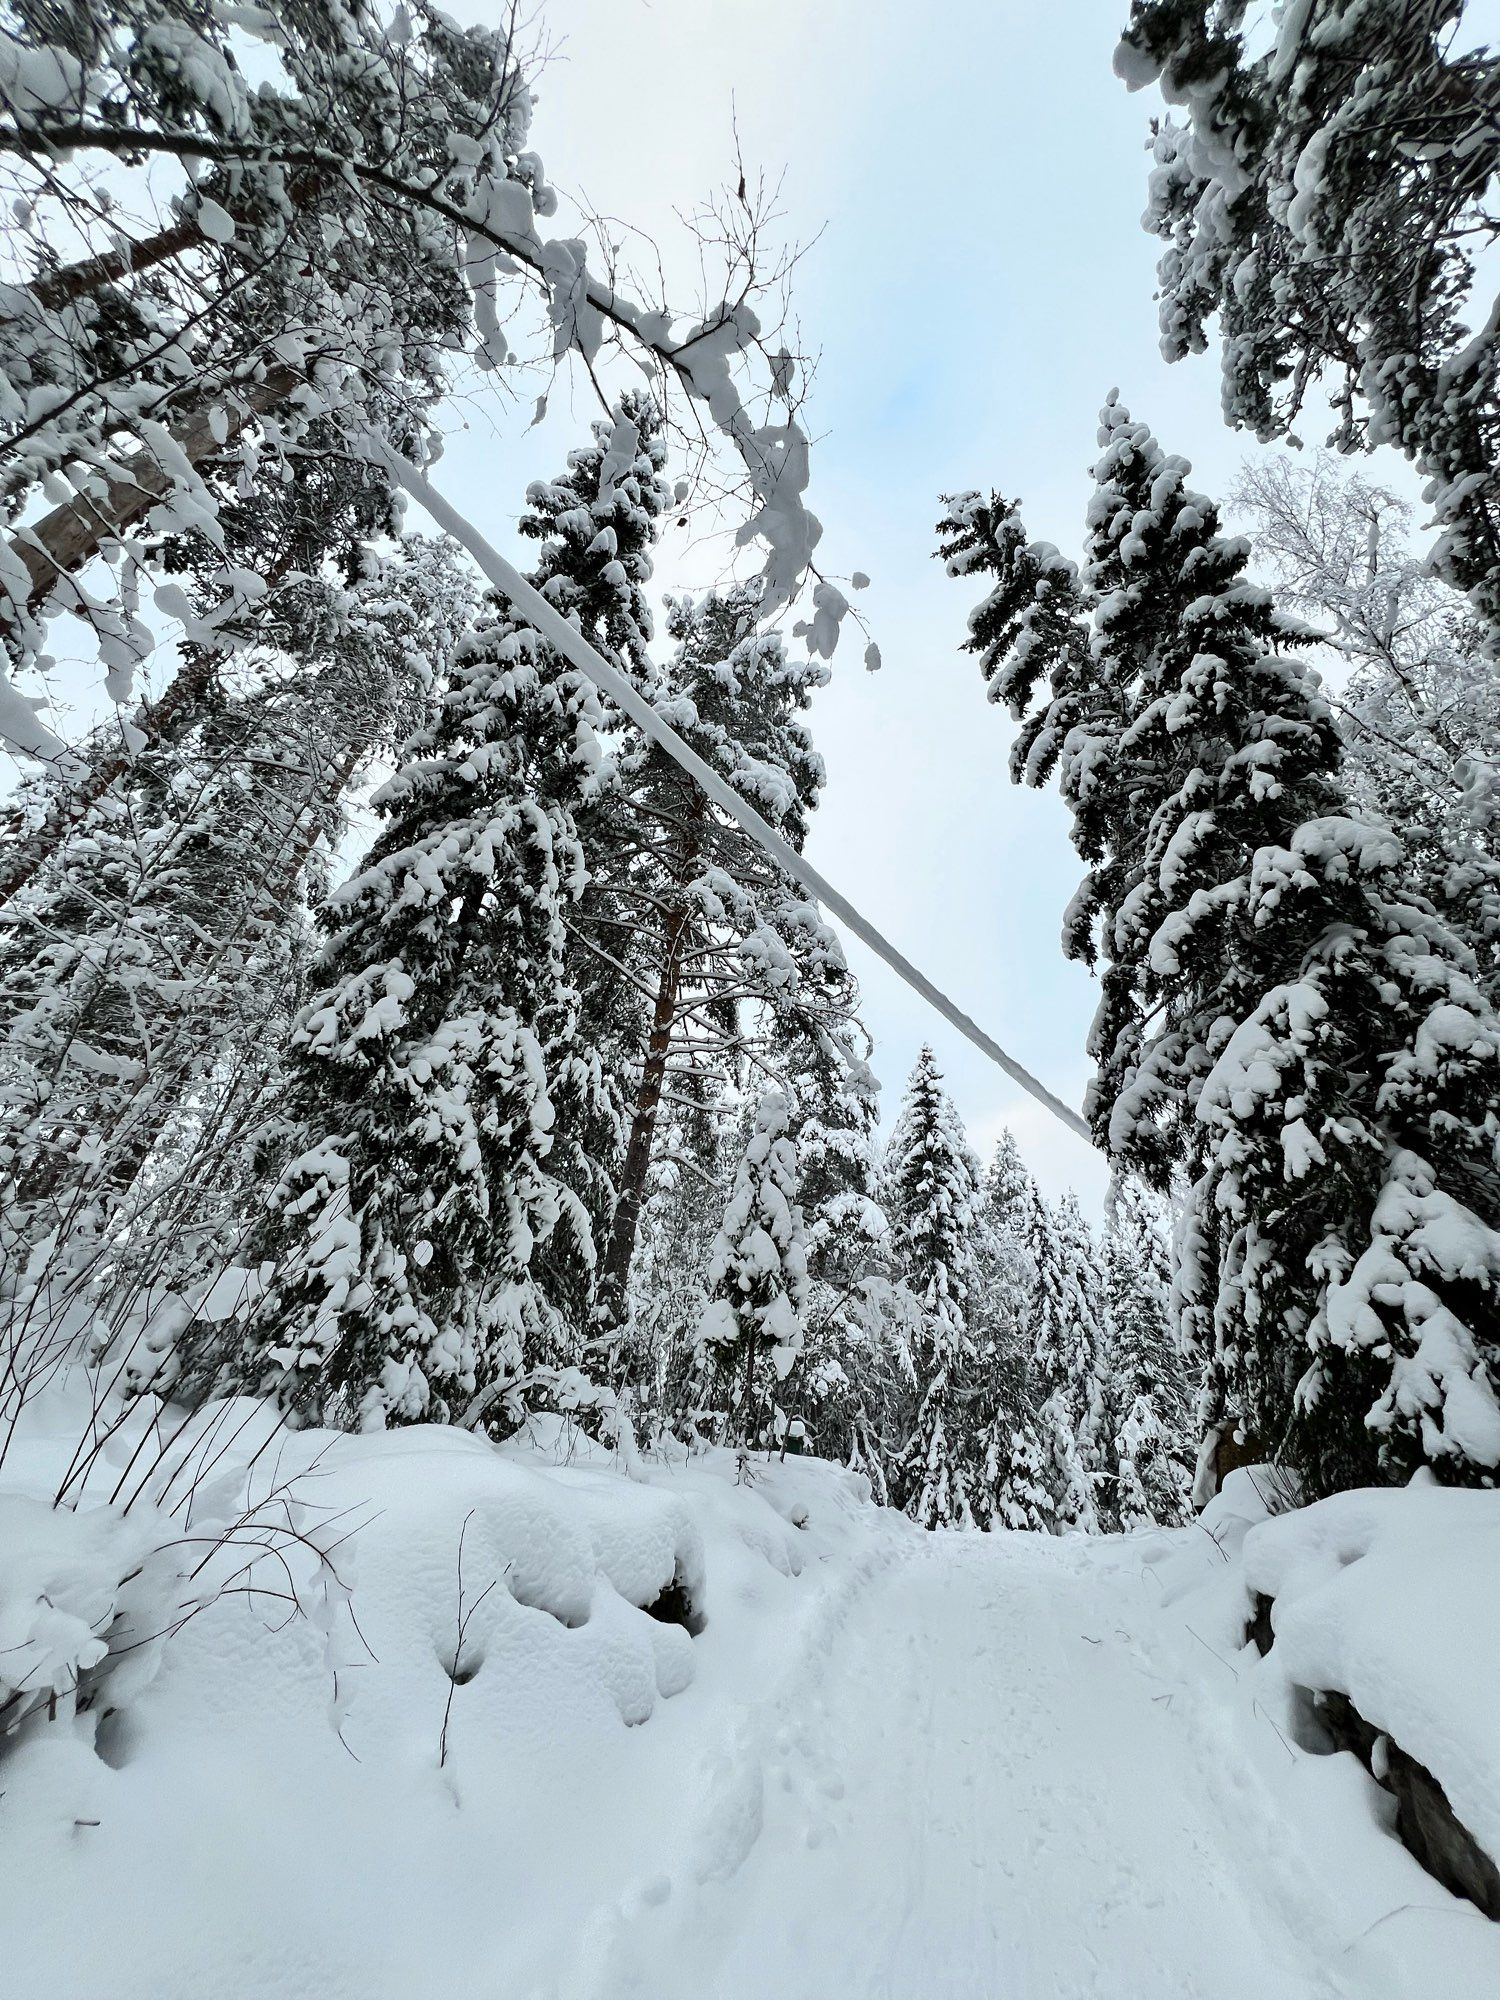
<point x="574" y="647"/>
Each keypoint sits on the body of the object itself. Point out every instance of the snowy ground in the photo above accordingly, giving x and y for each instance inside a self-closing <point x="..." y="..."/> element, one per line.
<point x="888" y="1764"/>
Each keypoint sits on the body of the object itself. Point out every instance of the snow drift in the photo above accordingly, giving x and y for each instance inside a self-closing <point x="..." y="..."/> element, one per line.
<point x="318" y="1700"/>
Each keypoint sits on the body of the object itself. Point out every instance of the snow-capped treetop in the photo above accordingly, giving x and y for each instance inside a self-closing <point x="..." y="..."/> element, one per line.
<point x="597" y="525"/>
<point x="931" y="1182"/>
<point x="1006" y="1185"/>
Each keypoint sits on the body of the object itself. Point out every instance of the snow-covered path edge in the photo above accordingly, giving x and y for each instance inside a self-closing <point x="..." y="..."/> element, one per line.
<point x="726" y="1813"/>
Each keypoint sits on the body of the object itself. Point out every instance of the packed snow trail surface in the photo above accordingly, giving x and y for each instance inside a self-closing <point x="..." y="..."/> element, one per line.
<point x="988" y="1794"/>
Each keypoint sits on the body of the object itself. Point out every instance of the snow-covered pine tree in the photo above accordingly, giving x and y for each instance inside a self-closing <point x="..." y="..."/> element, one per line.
<point x="1281" y="1019"/>
<point x="1149" y="1409"/>
<point x="340" y="200"/>
<point x="431" y="1232"/>
<point x="931" y="1183"/>
<point x="757" y="1281"/>
<point x="1327" y="198"/>
<point x="281" y="305"/>
<point x="731" y="951"/>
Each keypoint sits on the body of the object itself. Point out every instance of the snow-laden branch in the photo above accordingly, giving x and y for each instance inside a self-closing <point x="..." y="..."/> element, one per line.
<point x="499" y="224"/>
<point x="568" y="641"/>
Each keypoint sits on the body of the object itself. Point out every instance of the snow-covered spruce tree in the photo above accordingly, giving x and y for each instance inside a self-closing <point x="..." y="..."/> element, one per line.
<point x="597" y="525"/>
<point x="1328" y="199"/>
<point x="757" y="1281"/>
<point x="431" y="1232"/>
<point x="1005" y="1273"/>
<point x="1149" y="1408"/>
<point x="732" y="952"/>
<point x="833" y="1098"/>
<point x="1006" y="1182"/>
<point x="1281" y="1018"/>
<point x="1001" y="1322"/>
<point x="1066" y="1338"/>
<point x="834" y="1108"/>
<point x="1018" y="1477"/>
<point x="931" y="1183"/>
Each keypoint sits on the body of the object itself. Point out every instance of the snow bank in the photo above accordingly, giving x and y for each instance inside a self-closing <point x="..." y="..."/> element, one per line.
<point x="63" y="1586"/>
<point x="1393" y="1599"/>
<point x="1388" y="1597"/>
<point x="376" y="1715"/>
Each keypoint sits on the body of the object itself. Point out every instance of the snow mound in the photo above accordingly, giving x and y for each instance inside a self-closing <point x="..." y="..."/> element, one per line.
<point x="1384" y="1596"/>
<point x="1390" y="1598"/>
<point x="62" y="1584"/>
<point x="391" y="1714"/>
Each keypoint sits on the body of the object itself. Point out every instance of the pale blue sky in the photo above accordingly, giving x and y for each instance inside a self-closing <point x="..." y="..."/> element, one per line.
<point x="980" y="283"/>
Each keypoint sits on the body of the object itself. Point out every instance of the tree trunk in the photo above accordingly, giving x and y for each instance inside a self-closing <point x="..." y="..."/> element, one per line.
<point x="63" y="541"/>
<point x="55" y="289"/>
<point x="617" y="1262"/>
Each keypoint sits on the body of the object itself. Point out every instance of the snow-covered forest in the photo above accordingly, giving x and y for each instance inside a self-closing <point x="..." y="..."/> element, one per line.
<point x="534" y="1461"/>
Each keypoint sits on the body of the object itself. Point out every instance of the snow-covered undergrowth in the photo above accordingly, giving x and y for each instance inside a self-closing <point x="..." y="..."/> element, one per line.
<point x="362" y="1715"/>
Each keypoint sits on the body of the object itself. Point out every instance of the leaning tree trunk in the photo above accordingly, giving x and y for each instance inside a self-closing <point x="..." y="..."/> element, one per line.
<point x="53" y="290"/>
<point x="56" y="289"/>
<point x="63" y="543"/>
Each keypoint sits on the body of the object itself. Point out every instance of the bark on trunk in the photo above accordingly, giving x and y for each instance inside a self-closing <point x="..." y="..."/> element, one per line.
<point x="55" y="289"/>
<point x="63" y="542"/>
<point x="72" y="534"/>
<point x="747" y="1417"/>
<point x="622" y="1237"/>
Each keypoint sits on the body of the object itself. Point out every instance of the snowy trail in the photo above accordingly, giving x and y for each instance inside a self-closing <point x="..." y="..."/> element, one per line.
<point x="985" y="1792"/>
